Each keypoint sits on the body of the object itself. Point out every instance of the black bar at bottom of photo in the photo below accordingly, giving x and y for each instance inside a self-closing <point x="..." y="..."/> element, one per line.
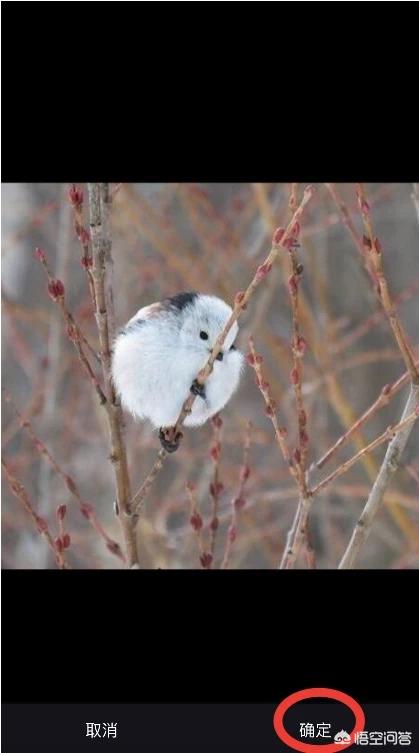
<point x="204" y="727"/>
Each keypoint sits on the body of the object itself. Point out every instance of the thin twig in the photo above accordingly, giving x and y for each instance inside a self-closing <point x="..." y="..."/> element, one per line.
<point x="298" y="349"/>
<point x="216" y="487"/>
<point x="255" y="360"/>
<point x="389" y="466"/>
<point x="139" y="497"/>
<point x="373" y="246"/>
<point x="299" y="531"/>
<point x="19" y="491"/>
<point x="101" y="253"/>
<point x="387" y="392"/>
<point x="238" y="501"/>
<point x="387" y="309"/>
<point x="56" y="291"/>
<point x="55" y="348"/>
<point x="76" y="197"/>
<point x="390" y="433"/>
<point x="86" y="508"/>
<point x="365" y="326"/>
<point x="349" y="224"/>
<point x="106" y="203"/>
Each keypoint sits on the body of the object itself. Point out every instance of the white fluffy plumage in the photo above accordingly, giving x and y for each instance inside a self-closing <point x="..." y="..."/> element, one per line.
<point x="159" y="353"/>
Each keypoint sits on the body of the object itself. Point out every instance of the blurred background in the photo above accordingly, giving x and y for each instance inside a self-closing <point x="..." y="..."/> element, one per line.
<point x="169" y="238"/>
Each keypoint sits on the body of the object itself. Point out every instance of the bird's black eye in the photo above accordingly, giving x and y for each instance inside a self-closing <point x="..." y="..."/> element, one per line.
<point x="203" y="335"/>
<point x="233" y="347"/>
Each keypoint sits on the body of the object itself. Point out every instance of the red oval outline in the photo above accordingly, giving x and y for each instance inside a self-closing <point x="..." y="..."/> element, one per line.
<point x="302" y="695"/>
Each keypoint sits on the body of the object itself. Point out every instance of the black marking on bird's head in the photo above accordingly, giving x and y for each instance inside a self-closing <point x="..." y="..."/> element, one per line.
<point x="180" y="301"/>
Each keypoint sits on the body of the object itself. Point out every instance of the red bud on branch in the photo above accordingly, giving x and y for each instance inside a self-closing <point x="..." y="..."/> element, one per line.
<point x="61" y="511"/>
<point x="76" y="196"/>
<point x="56" y="289"/>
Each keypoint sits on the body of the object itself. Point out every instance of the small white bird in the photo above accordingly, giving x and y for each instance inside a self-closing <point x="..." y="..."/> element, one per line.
<point x="158" y="355"/>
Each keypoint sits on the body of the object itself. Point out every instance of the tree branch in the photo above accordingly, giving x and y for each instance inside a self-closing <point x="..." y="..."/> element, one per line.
<point x="384" y="398"/>
<point x="386" y="436"/>
<point x="101" y="253"/>
<point x="238" y="501"/>
<point x="19" y="491"/>
<point x="388" y="468"/>
<point x="86" y="508"/>
<point x="376" y="259"/>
